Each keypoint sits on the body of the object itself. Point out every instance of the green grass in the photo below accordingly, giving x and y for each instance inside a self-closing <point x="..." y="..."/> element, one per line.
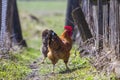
<point x="39" y="7"/>
<point x="16" y="66"/>
<point x="78" y="69"/>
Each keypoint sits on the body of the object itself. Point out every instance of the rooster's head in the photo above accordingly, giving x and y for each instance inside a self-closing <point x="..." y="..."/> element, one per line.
<point x="69" y="29"/>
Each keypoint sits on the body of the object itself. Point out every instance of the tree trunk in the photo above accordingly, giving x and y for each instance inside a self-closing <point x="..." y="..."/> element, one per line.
<point x="6" y="24"/>
<point x="10" y="25"/>
<point x="16" y="28"/>
<point x="71" y="5"/>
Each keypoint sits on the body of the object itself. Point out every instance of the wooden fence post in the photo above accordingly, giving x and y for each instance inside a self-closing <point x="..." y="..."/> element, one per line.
<point x="79" y="18"/>
<point x="87" y="10"/>
<point x="119" y="31"/>
<point x="99" y="28"/>
<point x="114" y="10"/>
<point x="95" y="21"/>
<point x="106" y="24"/>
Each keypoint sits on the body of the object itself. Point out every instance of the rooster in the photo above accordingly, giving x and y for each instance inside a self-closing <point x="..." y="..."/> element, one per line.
<point x="59" y="46"/>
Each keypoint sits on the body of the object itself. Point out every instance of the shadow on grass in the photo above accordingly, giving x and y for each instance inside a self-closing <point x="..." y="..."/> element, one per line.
<point x="72" y="70"/>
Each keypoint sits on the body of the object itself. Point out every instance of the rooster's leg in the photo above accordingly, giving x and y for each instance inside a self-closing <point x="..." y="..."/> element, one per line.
<point x="66" y="65"/>
<point x="53" y="68"/>
<point x="43" y="60"/>
<point x="54" y="61"/>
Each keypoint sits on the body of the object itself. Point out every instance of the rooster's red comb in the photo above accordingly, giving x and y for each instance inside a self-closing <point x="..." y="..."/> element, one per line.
<point x="69" y="28"/>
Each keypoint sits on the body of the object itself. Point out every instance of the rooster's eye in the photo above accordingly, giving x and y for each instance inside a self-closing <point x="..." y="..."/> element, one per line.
<point x="53" y="33"/>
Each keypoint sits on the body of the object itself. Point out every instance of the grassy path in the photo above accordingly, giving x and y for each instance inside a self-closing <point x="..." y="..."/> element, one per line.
<point x="34" y="66"/>
<point x="78" y="70"/>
